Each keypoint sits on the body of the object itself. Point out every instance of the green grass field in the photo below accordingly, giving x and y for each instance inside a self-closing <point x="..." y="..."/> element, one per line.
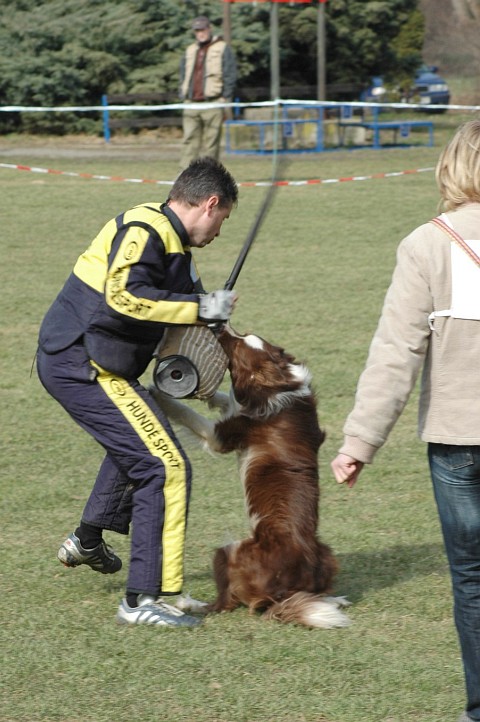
<point x="314" y="283"/>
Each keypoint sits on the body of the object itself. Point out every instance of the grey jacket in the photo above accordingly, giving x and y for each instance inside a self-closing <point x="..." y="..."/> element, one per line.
<point x="404" y="344"/>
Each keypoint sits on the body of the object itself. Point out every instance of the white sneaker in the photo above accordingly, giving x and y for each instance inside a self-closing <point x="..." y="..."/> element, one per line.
<point x="150" y="611"/>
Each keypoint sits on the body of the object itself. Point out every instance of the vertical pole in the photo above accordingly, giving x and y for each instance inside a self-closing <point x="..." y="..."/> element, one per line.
<point x="321" y="88"/>
<point x="106" y="124"/>
<point x="227" y="36"/>
<point x="274" y="52"/>
<point x="227" y="22"/>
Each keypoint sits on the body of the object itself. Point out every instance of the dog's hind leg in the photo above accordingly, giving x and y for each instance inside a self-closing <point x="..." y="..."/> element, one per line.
<point x="225" y="600"/>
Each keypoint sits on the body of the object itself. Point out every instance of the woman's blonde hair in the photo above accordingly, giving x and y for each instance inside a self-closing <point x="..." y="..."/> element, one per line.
<point x="458" y="168"/>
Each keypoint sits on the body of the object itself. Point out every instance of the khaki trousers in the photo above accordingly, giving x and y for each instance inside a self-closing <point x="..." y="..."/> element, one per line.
<point x="202" y="132"/>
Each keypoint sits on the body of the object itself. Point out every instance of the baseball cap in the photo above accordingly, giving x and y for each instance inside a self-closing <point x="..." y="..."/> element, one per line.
<point x="201" y="23"/>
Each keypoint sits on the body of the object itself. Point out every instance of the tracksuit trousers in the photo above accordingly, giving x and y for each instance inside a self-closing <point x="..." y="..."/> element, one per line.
<point x="144" y="481"/>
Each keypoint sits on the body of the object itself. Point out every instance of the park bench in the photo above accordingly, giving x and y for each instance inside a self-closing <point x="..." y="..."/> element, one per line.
<point x="398" y="128"/>
<point x="316" y="128"/>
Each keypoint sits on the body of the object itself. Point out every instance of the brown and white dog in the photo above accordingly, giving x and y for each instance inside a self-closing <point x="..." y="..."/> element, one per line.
<point x="270" y="420"/>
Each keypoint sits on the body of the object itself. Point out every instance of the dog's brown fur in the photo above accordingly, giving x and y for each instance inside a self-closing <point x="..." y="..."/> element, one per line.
<point x="270" y="421"/>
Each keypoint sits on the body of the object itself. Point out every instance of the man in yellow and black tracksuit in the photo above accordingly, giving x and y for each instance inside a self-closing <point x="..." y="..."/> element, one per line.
<point x="136" y="278"/>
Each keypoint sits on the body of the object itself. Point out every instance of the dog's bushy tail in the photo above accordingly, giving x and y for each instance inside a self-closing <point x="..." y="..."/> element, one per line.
<point x="311" y="610"/>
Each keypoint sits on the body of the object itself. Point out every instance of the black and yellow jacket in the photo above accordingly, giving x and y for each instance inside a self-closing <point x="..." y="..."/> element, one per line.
<point x="136" y="278"/>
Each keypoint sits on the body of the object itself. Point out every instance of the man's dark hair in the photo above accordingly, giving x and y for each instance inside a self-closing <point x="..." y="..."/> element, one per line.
<point x="203" y="178"/>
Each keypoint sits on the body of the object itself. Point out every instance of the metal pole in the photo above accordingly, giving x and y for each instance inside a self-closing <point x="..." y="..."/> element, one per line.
<point x="274" y="53"/>
<point x="321" y="88"/>
<point x="106" y="119"/>
<point x="227" y="36"/>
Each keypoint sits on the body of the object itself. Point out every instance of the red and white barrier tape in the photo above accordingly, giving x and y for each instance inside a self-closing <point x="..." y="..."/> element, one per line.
<point x="245" y="184"/>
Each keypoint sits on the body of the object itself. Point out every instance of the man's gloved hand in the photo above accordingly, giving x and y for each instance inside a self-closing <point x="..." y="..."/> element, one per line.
<point x="216" y="306"/>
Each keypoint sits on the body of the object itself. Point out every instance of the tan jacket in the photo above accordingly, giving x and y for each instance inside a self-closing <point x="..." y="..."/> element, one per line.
<point x="449" y="406"/>
<point x="219" y="75"/>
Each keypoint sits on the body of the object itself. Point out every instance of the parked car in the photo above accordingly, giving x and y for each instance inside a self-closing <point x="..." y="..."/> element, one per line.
<point x="428" y="88"/>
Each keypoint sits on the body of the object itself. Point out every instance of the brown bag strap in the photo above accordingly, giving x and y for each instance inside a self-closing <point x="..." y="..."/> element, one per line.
<point x="457" y="238"/>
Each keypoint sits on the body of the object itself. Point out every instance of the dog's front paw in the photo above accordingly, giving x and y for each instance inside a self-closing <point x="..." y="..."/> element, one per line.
<point x="186" y="603"/>
<point x="220" y="401"/>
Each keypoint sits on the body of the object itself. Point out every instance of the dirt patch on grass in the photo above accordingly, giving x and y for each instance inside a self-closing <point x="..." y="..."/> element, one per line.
<point x="146" y="145"/>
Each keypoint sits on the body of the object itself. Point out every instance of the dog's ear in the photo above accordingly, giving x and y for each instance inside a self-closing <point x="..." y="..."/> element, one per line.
<point x="250" y="390"/>
<point x="278" y="354"/>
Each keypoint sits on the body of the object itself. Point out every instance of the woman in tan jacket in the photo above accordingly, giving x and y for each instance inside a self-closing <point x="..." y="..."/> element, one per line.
<point x="431" y="322"/>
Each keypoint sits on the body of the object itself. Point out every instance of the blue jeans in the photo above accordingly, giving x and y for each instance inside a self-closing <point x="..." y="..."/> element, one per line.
<point x="455" y="472"/>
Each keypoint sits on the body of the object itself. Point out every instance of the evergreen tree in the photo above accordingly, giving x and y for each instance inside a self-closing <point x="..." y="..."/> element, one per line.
<point x="70" y="52"/>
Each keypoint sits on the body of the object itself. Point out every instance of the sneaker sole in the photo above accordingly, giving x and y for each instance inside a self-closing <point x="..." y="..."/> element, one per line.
<point x="124" y="623"/>
<point x="142" y="620"/>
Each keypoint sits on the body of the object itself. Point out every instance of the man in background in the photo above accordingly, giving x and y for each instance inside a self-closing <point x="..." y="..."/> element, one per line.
<point x="207" y="75"/>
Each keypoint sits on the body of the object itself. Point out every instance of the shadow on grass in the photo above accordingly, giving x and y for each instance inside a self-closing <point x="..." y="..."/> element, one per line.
<point x="364" y="572"/>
